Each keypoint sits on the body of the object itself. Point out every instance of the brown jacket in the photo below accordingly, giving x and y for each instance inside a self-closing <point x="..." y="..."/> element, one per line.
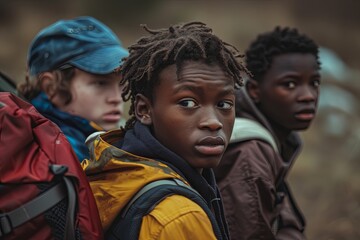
<point x="251" y="178"/>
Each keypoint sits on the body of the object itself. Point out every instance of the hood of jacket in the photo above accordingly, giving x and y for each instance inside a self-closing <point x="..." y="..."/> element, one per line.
<point x="140" y="157"/>
<point x="247" y="109"/>
<point x="75" y="128"/>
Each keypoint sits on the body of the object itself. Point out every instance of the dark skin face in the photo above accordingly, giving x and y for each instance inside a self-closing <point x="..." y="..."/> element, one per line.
<point x="288" y="93"/>
<point x="193" y="116"/>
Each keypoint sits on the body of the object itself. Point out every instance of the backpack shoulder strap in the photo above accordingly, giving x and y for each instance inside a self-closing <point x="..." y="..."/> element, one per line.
<point x="128" y="222"/>
<point x="247" y="129"/>
<point x="26" y="212"/>
<point x="152" y="185"/>
<point x="43" y="202"/>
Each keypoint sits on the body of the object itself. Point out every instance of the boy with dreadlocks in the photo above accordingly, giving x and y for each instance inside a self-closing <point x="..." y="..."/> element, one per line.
<point x="181" y="82"/>
<point x="278" y="101"/>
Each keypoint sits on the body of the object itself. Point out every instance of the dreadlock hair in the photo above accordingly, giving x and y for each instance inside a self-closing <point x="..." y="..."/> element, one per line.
<point x="174" y="45"/>
<point x="266" y="46"/>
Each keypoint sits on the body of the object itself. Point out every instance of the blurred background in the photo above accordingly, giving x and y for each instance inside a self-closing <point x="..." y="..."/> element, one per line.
<point x="325" y="179"/>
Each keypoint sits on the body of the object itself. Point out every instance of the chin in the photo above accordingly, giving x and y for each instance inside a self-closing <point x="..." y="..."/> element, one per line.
<point x="301" y="128"/>
<point x="208" y="165"/>
<point x="109" y="127"/>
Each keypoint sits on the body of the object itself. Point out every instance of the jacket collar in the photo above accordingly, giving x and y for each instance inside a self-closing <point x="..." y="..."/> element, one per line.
<point x="140" y="141"/>
<point x="46" y="108"/>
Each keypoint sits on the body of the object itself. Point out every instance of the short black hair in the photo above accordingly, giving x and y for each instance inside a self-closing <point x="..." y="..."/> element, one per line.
<point x="174" y="45"/>
<point x="281" y="40"/>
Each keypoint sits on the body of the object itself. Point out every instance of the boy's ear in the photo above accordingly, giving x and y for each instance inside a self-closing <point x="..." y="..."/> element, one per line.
<point x="47" y="81"/>
<point x="252" y="87"/>
<point x="143" y="109"/>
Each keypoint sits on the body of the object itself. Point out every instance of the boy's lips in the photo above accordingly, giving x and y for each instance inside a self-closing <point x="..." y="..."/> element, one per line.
<point x="113" y="116"/>
<point x="305" y="115"/>
<point x="211" y="146"/>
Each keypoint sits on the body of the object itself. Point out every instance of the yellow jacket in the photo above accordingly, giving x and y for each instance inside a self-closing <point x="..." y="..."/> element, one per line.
<point x="116" y="175"/>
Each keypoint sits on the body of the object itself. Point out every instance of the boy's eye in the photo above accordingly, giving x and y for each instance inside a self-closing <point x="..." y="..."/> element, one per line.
<point x="225" y="105"/>
<point x="100" y="82"/>
<point x="188" y="103"/>
<point x="316" y="83"/>
<point x="290" y="84"/>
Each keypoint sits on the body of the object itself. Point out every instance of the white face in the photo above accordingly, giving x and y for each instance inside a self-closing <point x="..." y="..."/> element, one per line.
<point x="96" y="98"/>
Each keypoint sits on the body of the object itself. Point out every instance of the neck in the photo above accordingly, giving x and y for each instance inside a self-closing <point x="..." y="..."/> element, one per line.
<point x="281" y="133"/>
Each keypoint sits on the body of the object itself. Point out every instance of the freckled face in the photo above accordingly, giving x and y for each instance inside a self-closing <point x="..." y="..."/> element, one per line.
<point x="289" y="91"/>
<point x="193" y="115"/>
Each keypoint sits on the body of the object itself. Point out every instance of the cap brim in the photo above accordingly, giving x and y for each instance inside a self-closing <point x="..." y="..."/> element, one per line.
<point x="102" y="61"/>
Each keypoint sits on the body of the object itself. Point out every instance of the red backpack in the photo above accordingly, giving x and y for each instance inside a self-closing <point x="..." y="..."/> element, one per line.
<point x="44" y="193"/>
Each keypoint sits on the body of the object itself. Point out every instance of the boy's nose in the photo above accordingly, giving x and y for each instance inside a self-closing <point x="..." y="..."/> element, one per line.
<point x="114" y="96"/>
<point x="307" y="94"/>
<point x="210" y="121"/>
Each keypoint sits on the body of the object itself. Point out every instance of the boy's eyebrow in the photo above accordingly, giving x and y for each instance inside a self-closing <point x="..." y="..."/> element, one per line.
<point x="187" y="87"/>
<point x="226" y="90"/>
<point x="295" y="73"/>
<point x="230" y="91"/>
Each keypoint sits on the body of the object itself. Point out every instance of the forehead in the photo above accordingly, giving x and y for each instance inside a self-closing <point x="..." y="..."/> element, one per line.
<point x="197" y="77"/>
<point x="294" y="61"/>
<point x="194" y="71"/>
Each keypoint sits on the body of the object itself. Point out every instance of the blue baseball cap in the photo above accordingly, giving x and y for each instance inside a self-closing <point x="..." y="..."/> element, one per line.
<point x="82" y="42"/>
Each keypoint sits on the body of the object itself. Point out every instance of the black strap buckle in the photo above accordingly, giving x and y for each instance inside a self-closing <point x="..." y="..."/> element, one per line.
<point x="58" y="170"/>
<point x="5" y="225"/>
